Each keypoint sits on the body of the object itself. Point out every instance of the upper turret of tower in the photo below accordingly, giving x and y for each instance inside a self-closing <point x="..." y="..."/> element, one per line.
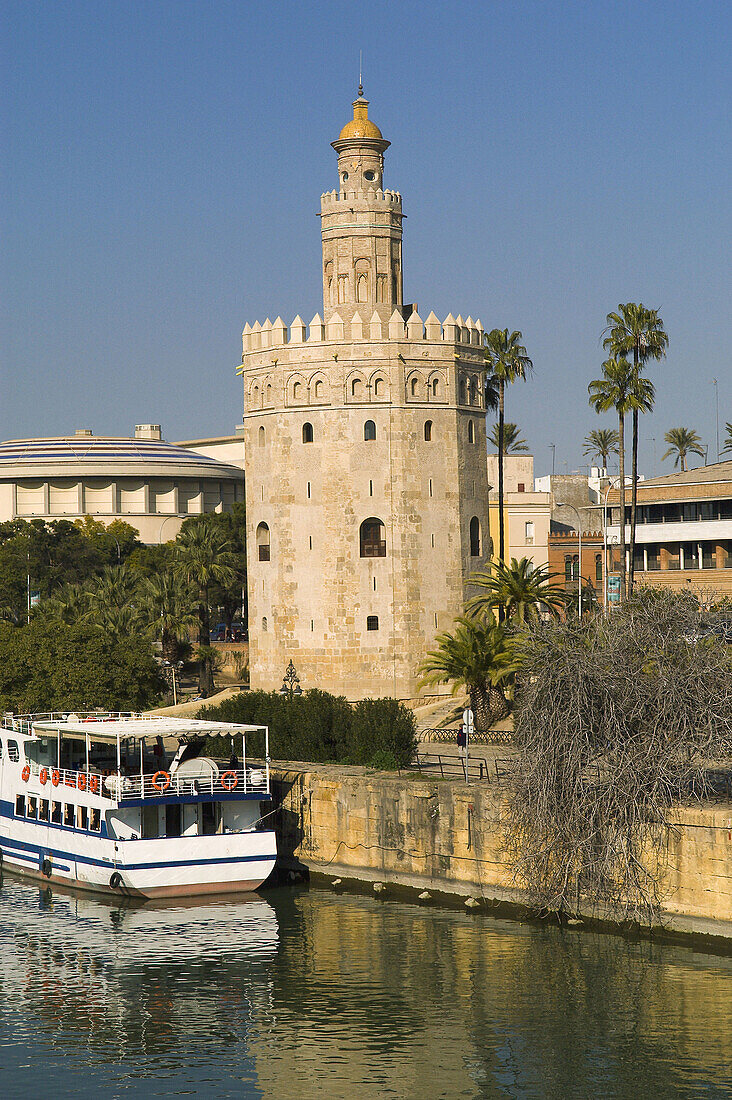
<point x="361" y="225"/>
<point x="360" y="148"/>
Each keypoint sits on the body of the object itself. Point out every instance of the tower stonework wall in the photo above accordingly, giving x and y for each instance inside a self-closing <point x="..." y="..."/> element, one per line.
<point x="335" y="435"/>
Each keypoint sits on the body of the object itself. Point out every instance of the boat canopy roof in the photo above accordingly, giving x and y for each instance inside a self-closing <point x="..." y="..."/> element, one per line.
<point x="136" y="728"/>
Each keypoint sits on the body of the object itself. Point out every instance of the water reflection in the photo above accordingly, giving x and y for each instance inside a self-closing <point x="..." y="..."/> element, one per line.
<point x="313" y="994"/>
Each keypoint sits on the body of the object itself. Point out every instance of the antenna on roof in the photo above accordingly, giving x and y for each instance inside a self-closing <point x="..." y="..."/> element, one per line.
<point x="360" y="74"/>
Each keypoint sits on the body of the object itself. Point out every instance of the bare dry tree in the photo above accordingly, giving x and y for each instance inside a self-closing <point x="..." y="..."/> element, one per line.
<point x="617" y="720"/>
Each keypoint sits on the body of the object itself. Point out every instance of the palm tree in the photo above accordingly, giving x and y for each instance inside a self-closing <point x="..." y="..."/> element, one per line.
<point x="68" y="605"/>
<point x="639" y="331"/>
<point x="728" y="441"/>
<point x="477" y="655"/>
<point x="682" y="441"/>
<point x="601" y="443"/>
<point x="507" y="361"/>
<point x="612" y="391"/>
<point x="521" y="589"/>
<point x="167" y="606"/>
<point x="512" y="441"/>
<point x="203" y="558"/>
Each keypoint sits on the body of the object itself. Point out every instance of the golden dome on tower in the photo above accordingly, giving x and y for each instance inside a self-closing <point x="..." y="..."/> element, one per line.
<point x="360" y="125"/>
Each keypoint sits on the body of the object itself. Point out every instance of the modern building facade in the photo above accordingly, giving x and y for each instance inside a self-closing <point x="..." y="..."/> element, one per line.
<point x="683" y="529"/>
<point x="148" y="483"/>
<point x="564" y="564"/>
<point x="364" y="436"/>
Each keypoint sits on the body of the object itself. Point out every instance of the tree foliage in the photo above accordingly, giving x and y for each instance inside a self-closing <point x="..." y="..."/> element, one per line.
<point x="616" y="721"/>
<point x="601" y="443"/>
<point x="54" y="666"/>
<point x="321" y="728"/>
<point x="523" y="590"/>
<point x="682" y="442"/>
<point x="512" y="441"/>
<point x="476" y="655"/>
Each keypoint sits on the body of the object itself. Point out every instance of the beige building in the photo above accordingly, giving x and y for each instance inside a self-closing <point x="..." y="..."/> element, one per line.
<point x="527" y="513"/>
<point x="364" y="435"/>
<point x="148" y="483"/>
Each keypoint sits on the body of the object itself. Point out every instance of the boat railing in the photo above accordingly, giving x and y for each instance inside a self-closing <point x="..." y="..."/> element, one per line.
<point x="121" y="788"/>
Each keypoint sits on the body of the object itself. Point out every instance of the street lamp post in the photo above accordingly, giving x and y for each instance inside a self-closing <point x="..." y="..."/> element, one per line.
<point x="579" y="563"/>
<point x="291" y="682"/>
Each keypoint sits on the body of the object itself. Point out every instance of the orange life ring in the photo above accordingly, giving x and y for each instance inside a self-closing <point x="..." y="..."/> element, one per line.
<point x="43" y="776"/>
<point x="25" y="774"/>
<point x="81" y="781"/>
<point x="93" y="784"/>
<point x="166" y="781"/>
<point x="229" y="781"/>
<point x="55" y="777"/>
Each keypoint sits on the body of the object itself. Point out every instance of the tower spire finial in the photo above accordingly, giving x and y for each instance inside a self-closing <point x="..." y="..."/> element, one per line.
<point x="360" y="74"/>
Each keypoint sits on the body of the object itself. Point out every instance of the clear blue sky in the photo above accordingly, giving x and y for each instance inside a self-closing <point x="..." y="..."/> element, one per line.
<point x="163" y="164"/>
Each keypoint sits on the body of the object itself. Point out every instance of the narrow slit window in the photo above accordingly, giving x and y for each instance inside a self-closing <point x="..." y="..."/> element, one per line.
<point x="371" y="488"/>
<point x="309" y="491"/>
<point x="307" y="433"/>
<point x="471" y="432"/>
<point x="263" y="541"/>
<point x="428" y="431"/>
<point x="369" y="431"/>
<point x="475" y="537"/>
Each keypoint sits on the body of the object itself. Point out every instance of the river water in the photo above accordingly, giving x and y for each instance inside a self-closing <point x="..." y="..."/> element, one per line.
<point x="306" y="993"/>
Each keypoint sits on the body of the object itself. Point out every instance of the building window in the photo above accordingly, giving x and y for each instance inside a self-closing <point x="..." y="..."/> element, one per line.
<point x="369" y="431"/>
<point x="475" y="537"/>
<point x="264" y="625"/>
<point x="307" y="433"/>
<point x="372" y="622"/>
<point x="598" y="567"/>
<point x="521" y="487"/>
<point x="357" y="389"/>
<point x="262" y="437"/>
<point x="529" y="534"/>
<point x="428" y="431"/>
<point x="430" y="487"/>
<point x="379" y="387"/>
<point x="471" y="432"/>
<point x="413" y="387"/>
<point x="318" y="390"/>
<point x="463" y="392"/>
<point x="435" y="387"/>
<point x="13" y="752"/>
<point x="263" y="544"/>
<point x="373" y="539"/>
<point x="571" y="568"/>
<point x="371" y="488"/>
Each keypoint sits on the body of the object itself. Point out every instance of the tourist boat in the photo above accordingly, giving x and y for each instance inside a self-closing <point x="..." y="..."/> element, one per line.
<point x="127" y="803"/>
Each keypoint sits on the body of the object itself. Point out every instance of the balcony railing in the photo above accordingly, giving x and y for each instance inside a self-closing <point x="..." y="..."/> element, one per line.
<point x="121" y="788"/>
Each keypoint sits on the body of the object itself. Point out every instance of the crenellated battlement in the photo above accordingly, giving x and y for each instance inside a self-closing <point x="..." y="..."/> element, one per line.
<point x="332" y="198"/>
<point x="453" y="330"/>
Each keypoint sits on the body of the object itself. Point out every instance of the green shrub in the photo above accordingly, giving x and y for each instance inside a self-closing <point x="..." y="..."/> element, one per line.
<point x="320" y="728"/>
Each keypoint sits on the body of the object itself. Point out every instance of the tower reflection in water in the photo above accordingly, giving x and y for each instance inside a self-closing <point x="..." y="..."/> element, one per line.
<point x="310" y="993"/>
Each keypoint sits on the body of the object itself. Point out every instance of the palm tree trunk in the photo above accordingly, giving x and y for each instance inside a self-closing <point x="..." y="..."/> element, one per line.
<point x="633" y="501"/>
<point x="621" y="448"/>
<point x="501" y="531"/>
<point x="205" y="675"/>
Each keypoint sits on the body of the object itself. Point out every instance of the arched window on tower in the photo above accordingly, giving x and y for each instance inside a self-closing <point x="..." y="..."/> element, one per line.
<point x="362" y="288"/>
<point x="471" y="432"/>
<point x="435" y="387"/>
<point x="307" y="433"/>
<point x="373" y="539"/>
<point x="475" y="537"/>
<point x="369" y="431"/>
<point x="428" y="430"/>
<point x="263" y="545"/>
<point x="262" y="437"/>
<point x="463" y="392"/>
<point x="413" y="386"/>
<point x="319" y="390"/>
<point x="357" y="389"/>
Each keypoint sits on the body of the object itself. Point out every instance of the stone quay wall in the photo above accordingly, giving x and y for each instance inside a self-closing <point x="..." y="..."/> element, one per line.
<point x="446" y="836"/>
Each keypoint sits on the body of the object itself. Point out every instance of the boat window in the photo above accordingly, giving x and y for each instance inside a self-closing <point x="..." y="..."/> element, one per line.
<point x="20" y="805"/>
<point x="208" y="818"/>
<point x="56" y="813"/>
<point x="13" y="752"/>
<point x="43" y="810"/>
<point x="82" y="817"/>
<point x="31" y="807"/>
<point x="69" y="815"/>
<point x="95" y="819"/>
<point x="1" y="748"/>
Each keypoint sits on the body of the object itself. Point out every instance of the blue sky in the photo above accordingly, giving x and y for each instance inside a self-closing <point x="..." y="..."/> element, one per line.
<point x="163" y="165"/>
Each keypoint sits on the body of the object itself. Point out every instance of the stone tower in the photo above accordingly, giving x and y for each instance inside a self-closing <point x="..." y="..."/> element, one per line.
<point x="365" y="455"/>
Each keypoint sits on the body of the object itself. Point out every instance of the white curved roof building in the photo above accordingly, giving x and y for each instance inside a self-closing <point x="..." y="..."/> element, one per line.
<point x="148" y="483"/>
